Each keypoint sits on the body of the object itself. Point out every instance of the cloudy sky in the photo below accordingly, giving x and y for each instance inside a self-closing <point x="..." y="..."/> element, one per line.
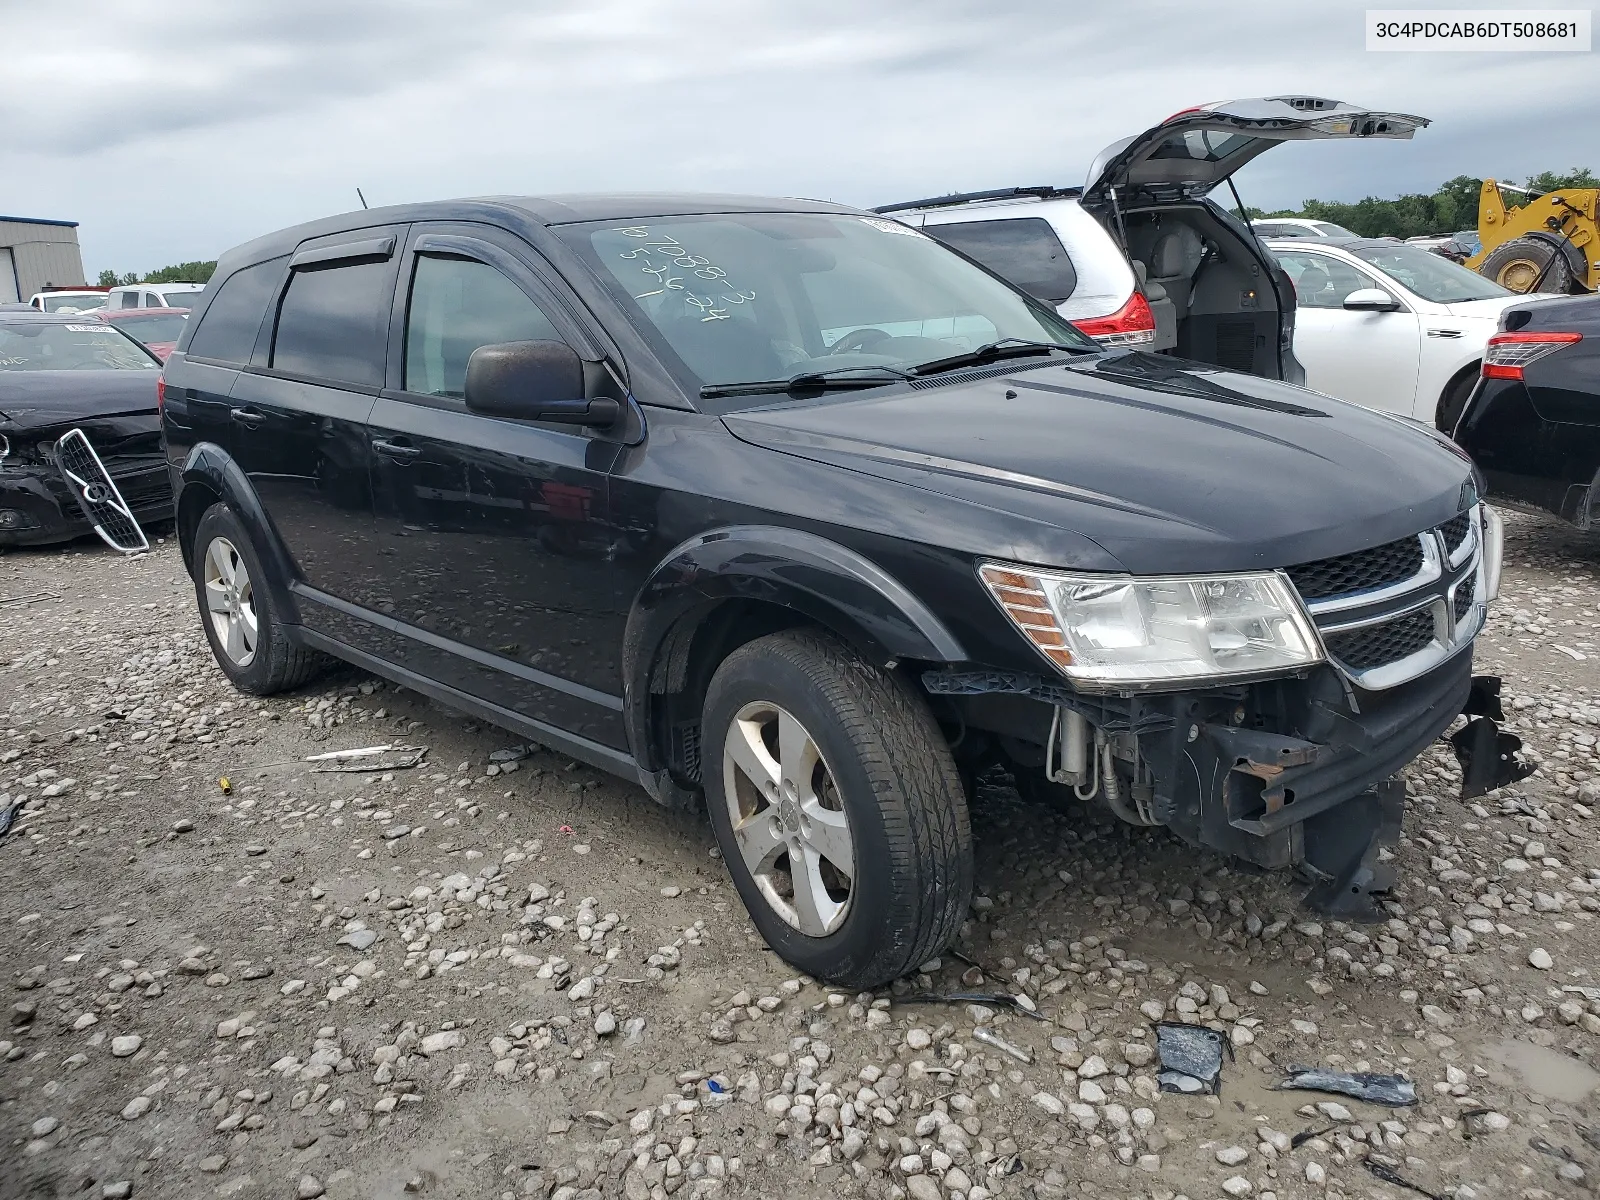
<point x="173" y="129"/>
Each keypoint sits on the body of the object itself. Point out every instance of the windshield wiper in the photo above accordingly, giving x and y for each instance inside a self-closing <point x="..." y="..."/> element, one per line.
<point x="989" y="352"/>
<point x="809" y="381"/>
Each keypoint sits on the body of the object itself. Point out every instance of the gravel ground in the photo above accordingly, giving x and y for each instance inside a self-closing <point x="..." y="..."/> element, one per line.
<point x="471" y="979"/>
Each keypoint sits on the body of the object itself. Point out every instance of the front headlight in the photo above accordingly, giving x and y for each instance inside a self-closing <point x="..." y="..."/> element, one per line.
<point x="1112" y="631"/>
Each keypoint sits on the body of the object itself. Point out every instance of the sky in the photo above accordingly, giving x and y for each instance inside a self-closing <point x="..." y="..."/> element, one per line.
<point x="173" y="129"/>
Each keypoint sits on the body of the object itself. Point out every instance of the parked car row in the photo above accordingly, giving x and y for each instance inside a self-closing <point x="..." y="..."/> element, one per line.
<point x="125" y="296"/>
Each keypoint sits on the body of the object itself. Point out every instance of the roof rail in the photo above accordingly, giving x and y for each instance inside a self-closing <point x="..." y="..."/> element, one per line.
<point x="1043" y="191"/>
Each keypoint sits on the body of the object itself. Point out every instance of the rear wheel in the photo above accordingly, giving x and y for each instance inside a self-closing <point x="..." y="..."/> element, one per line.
<point x="838" y="809"/>
<point x="1517" y="265"/>
<point x="247" y="639"/>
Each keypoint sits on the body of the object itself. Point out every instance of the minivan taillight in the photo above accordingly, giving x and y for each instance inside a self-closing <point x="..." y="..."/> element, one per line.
<point x="161" y="391"/>
<point x="1508" y="353"/>
<point x="1131" y="325"/>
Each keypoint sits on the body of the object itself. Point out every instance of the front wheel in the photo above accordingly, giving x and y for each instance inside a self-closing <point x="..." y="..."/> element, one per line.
<point x="837" y="807"/>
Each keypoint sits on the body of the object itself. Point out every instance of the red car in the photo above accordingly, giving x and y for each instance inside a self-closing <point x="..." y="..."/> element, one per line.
<point x="157" y="328"/>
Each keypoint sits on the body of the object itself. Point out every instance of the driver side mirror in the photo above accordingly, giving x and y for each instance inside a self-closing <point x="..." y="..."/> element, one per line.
<point x="534" y="381"/>
<point x="1371" y="300"/>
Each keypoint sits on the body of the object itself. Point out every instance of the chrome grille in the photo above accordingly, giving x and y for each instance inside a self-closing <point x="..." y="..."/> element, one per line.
<point x="1359" y="572"/>
<point x="1394" y="612"/>
<point x="1376" y="645"/>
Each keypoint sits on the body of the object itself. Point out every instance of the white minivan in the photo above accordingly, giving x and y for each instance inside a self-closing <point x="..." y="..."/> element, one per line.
<point x="1140" y="255"/>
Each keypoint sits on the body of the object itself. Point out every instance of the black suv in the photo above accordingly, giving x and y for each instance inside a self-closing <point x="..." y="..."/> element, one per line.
<point x="787" y="506"/>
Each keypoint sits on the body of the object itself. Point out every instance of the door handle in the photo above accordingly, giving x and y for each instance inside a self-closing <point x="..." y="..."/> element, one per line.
<point x="399" y="451"/>
<point x="248" y="417"/>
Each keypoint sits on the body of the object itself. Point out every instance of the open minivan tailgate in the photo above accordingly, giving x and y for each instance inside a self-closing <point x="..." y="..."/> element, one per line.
<point x="1193" y="151"/>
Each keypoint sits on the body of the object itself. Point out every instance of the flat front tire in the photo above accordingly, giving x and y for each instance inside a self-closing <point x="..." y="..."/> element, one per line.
<point x="837" y="807"/>
<point x="249" y="642"/>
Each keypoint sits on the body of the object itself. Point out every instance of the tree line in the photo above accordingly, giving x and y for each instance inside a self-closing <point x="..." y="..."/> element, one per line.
<point x="1454" y="206"/>
<point x="189" y="272"/>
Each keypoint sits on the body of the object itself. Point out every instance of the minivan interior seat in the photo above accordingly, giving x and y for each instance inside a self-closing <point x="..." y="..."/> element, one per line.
<point x="1175" y="258"/>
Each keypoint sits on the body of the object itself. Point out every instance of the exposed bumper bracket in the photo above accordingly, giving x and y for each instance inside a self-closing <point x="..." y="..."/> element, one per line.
<point x="1343" y="846"/>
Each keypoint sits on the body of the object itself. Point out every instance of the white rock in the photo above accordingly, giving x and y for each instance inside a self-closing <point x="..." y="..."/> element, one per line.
<point x="1236" y="1185"/>
<point x="438" y="1043"/>
<point x="1315" y="1175"/>
<point x="126" y="1046"/>
<point x="1049" y="1103"/>
<point x="918" y="1039"/>
<point x="1232" y="1156"/>
<point x="1539" y="959"/>
<point x="136" y="1108"/>
<point x="1091" y="1092"/>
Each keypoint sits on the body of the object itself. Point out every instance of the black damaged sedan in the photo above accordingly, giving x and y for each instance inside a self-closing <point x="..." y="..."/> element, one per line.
<point x="58" y="373"/>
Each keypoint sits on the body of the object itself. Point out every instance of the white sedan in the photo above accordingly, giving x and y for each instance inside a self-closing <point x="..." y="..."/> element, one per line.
<point x="1390" y="326"/>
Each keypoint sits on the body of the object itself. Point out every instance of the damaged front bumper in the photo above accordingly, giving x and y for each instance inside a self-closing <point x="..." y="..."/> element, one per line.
<point x="1298" y="772"/>
<point x="37" y="504"/>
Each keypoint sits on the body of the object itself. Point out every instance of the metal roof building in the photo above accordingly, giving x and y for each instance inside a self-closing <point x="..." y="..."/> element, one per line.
<point x="35" y="252"/>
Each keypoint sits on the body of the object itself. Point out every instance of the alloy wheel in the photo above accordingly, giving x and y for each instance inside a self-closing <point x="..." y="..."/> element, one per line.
<point x="788" y="818"/>
<point x="231" y="601"/>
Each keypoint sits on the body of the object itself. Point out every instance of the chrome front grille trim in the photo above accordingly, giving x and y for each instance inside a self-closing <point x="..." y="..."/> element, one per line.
<point x="1432" y="569"/>
<point x="1433" y="588"/>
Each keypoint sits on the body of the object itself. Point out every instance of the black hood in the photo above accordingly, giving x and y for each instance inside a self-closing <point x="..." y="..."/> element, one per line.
<point x="37" y="399"/>
<point x="1169" y="466"/>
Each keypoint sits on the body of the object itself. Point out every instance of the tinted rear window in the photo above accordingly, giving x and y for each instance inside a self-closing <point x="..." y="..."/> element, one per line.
<point x="334" y="322"/>
<point x="1024" y="250"/>
<point x="228" y="327"/>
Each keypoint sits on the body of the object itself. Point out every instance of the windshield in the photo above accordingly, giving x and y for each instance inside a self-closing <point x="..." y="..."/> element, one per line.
<point x="165" y="327"/>
<point x="67" y="302"/>
<point x="741" y="297"/>
<point x="47" y="346"/>
<point x="184" y="299"/>
<point x="1329" y="229"/>
<point x="1430" y="275"/>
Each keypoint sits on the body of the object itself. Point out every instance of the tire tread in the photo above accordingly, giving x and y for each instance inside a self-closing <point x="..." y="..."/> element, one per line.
<point x="918" y="790"/>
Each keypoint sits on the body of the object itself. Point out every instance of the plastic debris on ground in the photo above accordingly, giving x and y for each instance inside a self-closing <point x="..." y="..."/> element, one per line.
<point x="1390" y="1176"/>
<point x="1305" y="1135"/>
<point x="34" y="598"/>
<point x="8" y="816"/>
<point x="1191" y="1058"/>
<point x="1018" y="1004"/>
<point x="1392" y="1090"/>
<point x="989" y="1038"/>
<point x="368" y="759"/>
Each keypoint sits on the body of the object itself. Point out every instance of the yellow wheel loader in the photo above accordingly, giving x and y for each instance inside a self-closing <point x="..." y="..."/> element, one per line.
<point x="1548" y="243"/>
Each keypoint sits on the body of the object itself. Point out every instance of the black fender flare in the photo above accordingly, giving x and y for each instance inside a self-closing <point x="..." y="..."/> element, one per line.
<point x="210" y="467"/>
<point x="1574" y="256"/>
<point x="838" y="588"/>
